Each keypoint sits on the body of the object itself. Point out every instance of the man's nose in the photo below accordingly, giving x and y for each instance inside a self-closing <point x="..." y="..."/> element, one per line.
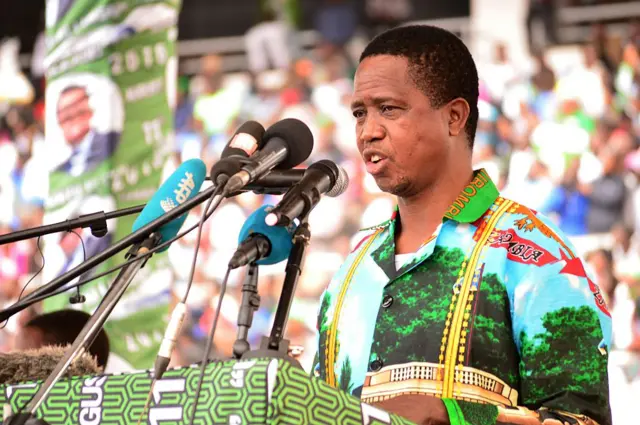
<point x="371" y="131"/>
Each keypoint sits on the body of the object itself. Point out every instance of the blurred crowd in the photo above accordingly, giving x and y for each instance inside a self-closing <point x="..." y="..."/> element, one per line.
<point x="560" y="136"/>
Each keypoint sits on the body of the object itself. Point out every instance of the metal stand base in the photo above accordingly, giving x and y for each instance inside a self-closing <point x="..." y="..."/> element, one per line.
<point x="264" y="352"/>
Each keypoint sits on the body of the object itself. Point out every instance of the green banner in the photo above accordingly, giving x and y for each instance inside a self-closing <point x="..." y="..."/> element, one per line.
<point x="257" y="391"/>
<point x="111" y="77"/>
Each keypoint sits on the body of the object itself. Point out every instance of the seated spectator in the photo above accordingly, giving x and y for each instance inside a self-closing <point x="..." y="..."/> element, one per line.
<point x="606" y="195"/>
<point x="568" y="203"/>
<point x="626" y="253"/>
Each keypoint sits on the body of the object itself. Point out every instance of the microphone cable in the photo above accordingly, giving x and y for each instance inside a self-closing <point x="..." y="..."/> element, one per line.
<point x="78" y="298"/>
<point x="6" y="322"/>
<point x="180" y="310"/>
<point x="207" y="349"/>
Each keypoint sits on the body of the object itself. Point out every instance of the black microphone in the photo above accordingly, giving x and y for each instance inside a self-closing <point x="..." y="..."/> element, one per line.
<point x="287" y="143"/>
<point x="261" y="243"/>
<point x="275" y="182"/>
<point x="247" y="139"/>
<point x="322" y="177"/>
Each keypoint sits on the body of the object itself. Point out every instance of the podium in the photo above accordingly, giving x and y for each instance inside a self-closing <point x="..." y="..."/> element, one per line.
<point x="257" y="391"/>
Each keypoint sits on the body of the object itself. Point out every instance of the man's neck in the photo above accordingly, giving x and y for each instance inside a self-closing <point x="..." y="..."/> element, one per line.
<point x="421" y="215"/>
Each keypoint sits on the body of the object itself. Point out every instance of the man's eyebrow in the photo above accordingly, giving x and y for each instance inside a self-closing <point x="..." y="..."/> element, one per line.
<point x="357" y="104"/>
<point x="376" y="100"/>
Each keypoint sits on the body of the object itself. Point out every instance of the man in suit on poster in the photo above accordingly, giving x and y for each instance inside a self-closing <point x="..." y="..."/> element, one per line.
<point x="89" y="147"/>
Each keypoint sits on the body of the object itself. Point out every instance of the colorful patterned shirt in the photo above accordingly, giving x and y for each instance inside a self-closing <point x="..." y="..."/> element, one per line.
<point x="494" y="314"/>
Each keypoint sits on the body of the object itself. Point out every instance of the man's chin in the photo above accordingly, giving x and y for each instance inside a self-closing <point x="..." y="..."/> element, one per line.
<point x="392" y="187"/>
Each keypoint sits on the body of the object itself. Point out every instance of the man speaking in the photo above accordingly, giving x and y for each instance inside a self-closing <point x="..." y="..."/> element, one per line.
<point x="464" y="307"/>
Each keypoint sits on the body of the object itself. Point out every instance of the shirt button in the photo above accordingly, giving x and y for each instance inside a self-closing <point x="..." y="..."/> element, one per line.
<point x="387" y="300"/>
<point x="376" y="365"/>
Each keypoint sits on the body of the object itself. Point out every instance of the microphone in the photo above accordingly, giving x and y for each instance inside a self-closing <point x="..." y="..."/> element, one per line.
<point x="261" y="243"/>
<point x="275" y="182"/>
<point x="288" y="143"/>
<point x="182" y="185"/>
<point x="245" y="142"/>
<point x="322" y="177"/>
<point x="37" y="364"/>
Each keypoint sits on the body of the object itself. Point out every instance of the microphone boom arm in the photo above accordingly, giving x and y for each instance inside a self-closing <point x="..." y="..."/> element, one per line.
<point x="96" y="221"/>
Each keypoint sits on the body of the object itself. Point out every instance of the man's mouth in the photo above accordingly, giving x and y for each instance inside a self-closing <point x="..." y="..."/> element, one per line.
<point x="375" y="163"/>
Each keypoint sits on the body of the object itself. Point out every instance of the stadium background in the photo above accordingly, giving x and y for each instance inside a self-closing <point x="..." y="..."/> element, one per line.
<point x="559" y="131"/>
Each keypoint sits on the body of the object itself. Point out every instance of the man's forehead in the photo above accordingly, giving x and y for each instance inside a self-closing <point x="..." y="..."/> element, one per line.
<point x="383" y="64"/>
<point x="383" y="71"/>
<point x="380" y="86"/>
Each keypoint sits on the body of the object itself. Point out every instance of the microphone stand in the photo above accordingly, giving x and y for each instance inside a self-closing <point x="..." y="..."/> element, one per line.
<point x="248" y="306"/>
<point x="275" y="346"/>
<point x="96" y="221"/>
<point x="88" y="332"/>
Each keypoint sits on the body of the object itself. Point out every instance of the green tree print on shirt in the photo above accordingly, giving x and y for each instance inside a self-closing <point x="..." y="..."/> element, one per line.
<point x="400" y="330"/>
<point x="345" y="377"/>
<point x="565" y="357"/>
<point x="323" y="329"/>
<point x="491" y="327"/>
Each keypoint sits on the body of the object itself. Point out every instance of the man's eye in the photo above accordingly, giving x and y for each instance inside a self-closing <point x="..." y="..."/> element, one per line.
<point x="358" y="113"/>
<point x="387" y="108"/>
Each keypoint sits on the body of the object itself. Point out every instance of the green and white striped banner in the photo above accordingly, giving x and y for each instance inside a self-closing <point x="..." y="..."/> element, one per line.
<point x="111" y="76"/>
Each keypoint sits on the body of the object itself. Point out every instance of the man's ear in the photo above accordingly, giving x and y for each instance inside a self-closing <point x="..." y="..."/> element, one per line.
<point x="458" y="113"/>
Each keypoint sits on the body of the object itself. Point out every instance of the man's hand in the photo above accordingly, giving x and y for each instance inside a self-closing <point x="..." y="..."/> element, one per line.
<point x="524" y="416"/>
<point x="419" y="409"/>
<point x="427" y="410"/>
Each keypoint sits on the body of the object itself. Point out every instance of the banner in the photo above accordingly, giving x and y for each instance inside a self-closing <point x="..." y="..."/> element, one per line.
<point x="111" y="77"/>
<point x="256" y="391"/>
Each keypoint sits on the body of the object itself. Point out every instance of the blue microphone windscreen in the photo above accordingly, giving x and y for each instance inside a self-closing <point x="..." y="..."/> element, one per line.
<point x="279" y="236"/>
<point x="181" y="186"/>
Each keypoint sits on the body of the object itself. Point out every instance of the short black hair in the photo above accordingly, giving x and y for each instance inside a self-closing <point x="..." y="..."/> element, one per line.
<point x="63" y="326"/>
<point x="440" y="65"/>
<point x="71" y="88"/>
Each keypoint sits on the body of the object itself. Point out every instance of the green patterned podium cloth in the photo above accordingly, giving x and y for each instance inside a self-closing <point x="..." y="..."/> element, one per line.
<point x="246" y="392"/>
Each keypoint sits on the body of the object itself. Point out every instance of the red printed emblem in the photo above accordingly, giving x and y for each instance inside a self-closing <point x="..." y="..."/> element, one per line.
<point x="519" y="249"/>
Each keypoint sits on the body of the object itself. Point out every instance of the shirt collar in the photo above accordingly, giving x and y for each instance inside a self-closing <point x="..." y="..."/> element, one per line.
<point x="471" y="204"/>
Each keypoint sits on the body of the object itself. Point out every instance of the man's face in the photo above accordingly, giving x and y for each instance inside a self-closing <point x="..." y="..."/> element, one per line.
<point x="404" y="141"/>
<point x="74" y="115"/>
